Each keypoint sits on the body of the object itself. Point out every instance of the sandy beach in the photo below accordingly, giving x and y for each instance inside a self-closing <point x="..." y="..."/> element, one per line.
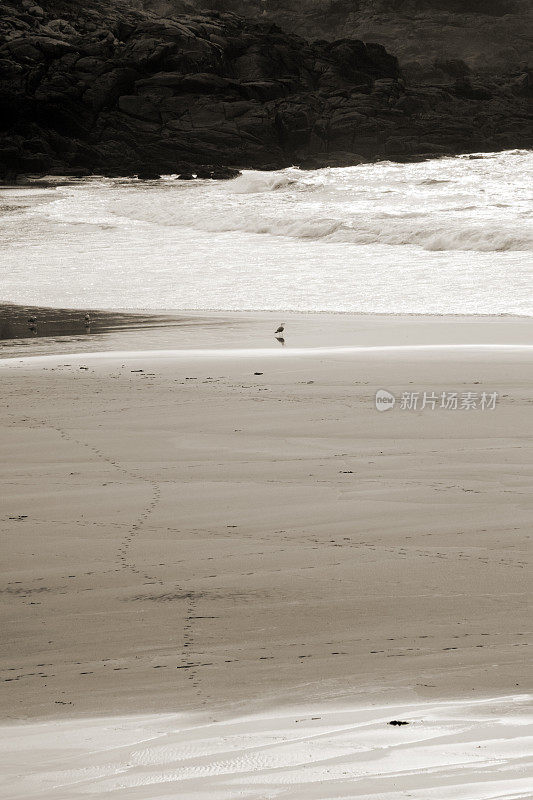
<point x="449" y="751"/>
<point x="202" y="524"/>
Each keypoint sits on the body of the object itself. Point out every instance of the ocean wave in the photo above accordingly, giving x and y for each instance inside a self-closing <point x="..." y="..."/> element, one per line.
<point x="440" y="239"/>
<point x="374" y="238"/>
<point x="254" y="183"/>
<point x="384" y="228"/>
<point x="478" y="239"/>
<point x="446" y="205"/>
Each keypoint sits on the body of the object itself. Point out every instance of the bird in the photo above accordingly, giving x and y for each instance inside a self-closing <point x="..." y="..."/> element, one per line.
<point x="87" y="318"/>
<point x="281" y="328"/>
<point x="32" y="320"/>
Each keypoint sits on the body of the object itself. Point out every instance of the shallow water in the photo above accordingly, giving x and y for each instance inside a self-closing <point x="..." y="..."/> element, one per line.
<point x="477" y="750"/>
<point x="451" y="235"/>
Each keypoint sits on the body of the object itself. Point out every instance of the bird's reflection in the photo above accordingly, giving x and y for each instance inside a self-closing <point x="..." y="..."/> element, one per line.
<point x="281" y="340"/>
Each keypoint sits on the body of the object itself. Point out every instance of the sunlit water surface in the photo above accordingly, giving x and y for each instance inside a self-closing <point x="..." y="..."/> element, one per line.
<point x="452" y="235"/>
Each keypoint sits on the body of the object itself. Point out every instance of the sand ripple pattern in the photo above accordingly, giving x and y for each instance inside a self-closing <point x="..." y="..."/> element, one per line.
<point x="477" y="750"/>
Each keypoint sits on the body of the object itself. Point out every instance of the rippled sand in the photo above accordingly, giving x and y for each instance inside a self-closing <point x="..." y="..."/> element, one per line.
<point x="448" y="751"/>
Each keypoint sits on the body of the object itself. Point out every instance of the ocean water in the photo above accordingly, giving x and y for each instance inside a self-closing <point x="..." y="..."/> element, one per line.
<point x="452" y="235"/>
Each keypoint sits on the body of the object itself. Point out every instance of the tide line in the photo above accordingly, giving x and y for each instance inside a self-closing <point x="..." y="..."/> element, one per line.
<point x="271" y="352"/>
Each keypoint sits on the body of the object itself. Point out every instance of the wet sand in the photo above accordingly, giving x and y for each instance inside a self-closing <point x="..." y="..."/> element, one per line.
<point x="226" y="533"/>
<point x="37" y="330"/>
<point x="65" y="330"/>
<point x="470" y="750"/>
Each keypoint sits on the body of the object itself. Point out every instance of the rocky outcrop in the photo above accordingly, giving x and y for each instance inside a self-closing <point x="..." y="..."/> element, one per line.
<point x="491" y="36"/>
<point x="110" y="89"/>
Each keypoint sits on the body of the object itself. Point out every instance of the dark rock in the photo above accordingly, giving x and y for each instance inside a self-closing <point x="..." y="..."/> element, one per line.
<point x="217" y="173"/>
<point x="455" y="67"/>
<point x="523" y="83"/>
<point x="171" y="79"/>
<point x="23" y="50"/>
<point x="205" y="83"/>
<point x="106" y="90"/>
<point x="263" y="90"/>
<point x="488" y="35"/>
<point x="114" y="89"/>
<point x="90" y="65"/>
<point x="464" y="88"/>
<point x="51" y="47"/>
<point x="139" y="107"/>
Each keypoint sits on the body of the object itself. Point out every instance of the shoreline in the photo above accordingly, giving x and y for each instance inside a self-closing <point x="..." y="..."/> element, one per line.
<point x="230" y="171"/>
<point x="385" y="702"/>
<point x="63" y="332"/>
<point x="268" y="353"/>
<point x="457" y="749"/>
<point x="154" y="313"/>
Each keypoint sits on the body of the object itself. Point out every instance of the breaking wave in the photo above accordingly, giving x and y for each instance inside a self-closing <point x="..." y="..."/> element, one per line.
<point x="253" y="183"/>
<point x="451" y="235"/>
<point x="451" y="204"/>
<point x="477" y="239"/>
<point x="416" y="229"/>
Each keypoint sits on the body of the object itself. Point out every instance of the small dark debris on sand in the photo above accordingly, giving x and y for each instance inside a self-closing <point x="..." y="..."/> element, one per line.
<point x="398" y="722"/>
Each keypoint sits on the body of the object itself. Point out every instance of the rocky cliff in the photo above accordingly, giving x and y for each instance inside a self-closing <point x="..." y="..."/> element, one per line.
<point x="490" y="36"/>
<point x="107" y="88"/>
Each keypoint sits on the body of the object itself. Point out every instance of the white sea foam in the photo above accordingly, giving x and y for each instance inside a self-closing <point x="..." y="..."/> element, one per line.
<point x="254" y="182"/>
<point x="452" y="235"/>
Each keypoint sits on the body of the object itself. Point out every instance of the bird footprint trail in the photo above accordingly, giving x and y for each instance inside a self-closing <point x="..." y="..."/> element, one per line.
<point x="124" y="551"/>
<point x="190" y="663"/>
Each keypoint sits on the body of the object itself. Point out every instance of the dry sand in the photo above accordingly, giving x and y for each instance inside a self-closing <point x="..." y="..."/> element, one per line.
<point x="183" y="535"/>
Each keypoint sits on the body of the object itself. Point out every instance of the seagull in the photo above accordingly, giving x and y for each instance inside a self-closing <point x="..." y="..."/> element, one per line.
<point x="281" y="328"/>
